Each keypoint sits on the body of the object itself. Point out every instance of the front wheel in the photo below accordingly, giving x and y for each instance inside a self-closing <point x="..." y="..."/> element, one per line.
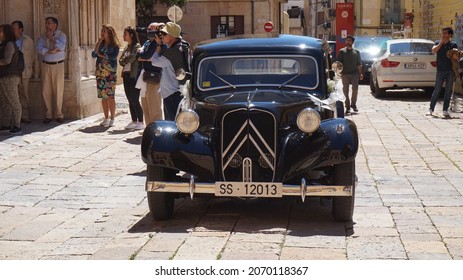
<point x="343" y="206"/>
<point x="161" y="204"/>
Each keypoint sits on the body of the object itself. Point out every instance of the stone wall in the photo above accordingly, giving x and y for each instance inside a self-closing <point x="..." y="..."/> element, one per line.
<point x="196" y="22"/>
<point x="81" y="20"/>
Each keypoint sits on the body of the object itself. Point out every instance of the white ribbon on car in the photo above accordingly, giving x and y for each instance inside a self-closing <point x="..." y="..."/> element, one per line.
<point x="186" y="102"/>
<point x="336" y="94"/>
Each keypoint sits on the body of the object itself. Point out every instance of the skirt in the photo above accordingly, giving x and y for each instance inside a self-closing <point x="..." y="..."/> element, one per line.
<point x="106" y="78"/>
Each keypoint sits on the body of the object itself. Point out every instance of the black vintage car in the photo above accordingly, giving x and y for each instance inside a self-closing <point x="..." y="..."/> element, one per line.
<point x="257" y="120"/>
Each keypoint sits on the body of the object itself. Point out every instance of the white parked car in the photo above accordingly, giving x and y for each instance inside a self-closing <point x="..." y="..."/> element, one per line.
<point x="403" y="63"/>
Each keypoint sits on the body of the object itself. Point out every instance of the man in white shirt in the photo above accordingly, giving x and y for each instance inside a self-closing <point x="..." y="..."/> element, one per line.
<point x="52" y="47"/>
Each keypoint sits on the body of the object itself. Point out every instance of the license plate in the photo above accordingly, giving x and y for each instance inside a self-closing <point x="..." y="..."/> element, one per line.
<point x="417" y="65"/>
<point x="247" y="189"/>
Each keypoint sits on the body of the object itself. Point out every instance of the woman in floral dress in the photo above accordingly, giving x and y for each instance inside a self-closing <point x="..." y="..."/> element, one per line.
<point x="106" y="52"/>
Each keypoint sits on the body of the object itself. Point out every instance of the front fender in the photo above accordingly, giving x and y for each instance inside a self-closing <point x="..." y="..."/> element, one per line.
<point x="343" y="140"/>
<point x="335" y="142"/>
<point x="164" y="145"/>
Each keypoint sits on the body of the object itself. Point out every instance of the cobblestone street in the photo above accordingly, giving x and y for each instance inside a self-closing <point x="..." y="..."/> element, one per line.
<point x="76" y="191"/>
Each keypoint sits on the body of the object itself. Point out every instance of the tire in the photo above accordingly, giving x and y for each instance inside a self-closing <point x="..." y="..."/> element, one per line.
<point x="372" y="85"/>
<point x="339" y="109"/>
<point x="379" y="92"/>
<point x="343" y="206"/>
<point x="161" y="204"/>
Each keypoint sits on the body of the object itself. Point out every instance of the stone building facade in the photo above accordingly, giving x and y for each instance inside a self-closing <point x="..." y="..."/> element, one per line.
<point x="430" y="16"/>
<point x="389" y="17"/>
<point x="81" y="20"/>
<point x="206" y="19"/>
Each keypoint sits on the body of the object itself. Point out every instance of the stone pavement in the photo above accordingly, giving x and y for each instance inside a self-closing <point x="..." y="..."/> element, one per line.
<point x="76" y="191"/>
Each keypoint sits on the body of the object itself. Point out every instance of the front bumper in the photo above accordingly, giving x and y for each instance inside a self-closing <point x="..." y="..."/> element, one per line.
<point x="302" y="190"/>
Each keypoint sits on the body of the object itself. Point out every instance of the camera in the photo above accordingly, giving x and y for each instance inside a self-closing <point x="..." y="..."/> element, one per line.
<point x="140" y="29"/>
<point x="154" y="33"/>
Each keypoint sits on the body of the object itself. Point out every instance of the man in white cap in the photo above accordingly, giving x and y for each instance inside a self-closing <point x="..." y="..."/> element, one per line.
<point x="172" y="58"/>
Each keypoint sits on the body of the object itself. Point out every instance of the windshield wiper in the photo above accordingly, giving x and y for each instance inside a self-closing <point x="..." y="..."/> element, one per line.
<point x="223" y="80"/>
<point x="292" y="79"/>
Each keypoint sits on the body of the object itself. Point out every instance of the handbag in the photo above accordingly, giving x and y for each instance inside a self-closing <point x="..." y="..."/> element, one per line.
<point x="21" y="64"/>
<point x="151" y="77"/>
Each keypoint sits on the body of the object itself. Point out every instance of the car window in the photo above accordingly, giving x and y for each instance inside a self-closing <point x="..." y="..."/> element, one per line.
<point x="383" y="49"/>
<point x="235" y="71"/>
<point x="259" y="66"/>
<point x="411" y="47"/>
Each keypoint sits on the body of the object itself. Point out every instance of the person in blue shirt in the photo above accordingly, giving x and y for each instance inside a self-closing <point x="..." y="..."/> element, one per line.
<point x="106" y="52"/>
<point x="444" y="71"/>
<point x="52" y="48"/>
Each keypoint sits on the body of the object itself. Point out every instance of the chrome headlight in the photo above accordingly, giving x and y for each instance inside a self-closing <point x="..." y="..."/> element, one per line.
<point x="187" y="121"/>
<point x="308" y="120"/>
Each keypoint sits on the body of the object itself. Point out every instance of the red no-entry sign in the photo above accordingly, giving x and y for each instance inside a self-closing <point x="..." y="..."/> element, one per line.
<point x="268" y="26"/>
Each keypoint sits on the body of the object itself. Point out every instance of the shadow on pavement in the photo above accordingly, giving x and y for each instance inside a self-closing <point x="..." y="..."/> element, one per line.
<point x="288" y="216"/>
<point x="94" y="129"/>
<point x="141" y="174"/>
<point x="119" y="131"/>
<point x="33" y="127"/>
<point x="134" y="141"/>
<point x="407" y="95"/>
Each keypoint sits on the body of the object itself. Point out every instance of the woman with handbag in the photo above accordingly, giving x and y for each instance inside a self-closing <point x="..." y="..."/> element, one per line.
<point x="151" y="101"/>
<point x="129" y="62"/>
<point x="106" y="52"/>
<point x="10" y="77"/>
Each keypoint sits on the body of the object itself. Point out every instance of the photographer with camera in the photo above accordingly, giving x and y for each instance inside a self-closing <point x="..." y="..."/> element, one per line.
<point x="173" y="59"/>
<point x="150" y="77"/>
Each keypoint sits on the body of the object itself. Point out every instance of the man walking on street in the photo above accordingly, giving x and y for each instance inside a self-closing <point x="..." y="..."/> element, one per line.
<point x="26" y="46"/>
<point x="52" y="47"/>
<point x="351" y="73"/>
<point x="444" y="71"/>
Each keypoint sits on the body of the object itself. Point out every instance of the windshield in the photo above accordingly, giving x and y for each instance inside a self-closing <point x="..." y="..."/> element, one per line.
<point x="411" y="47"/>
<point x="369" y="46"/>
<point x="272" y="71"/>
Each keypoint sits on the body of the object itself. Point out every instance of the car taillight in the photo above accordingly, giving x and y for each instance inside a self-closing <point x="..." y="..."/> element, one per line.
<point x="386" y="63"/>
<point x="434" y="63"/>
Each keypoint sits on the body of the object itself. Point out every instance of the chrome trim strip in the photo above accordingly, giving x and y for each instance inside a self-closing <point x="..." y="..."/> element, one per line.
<point x="288" y="190"/>
<point x="261" y="137"/>
<point x="245" y="124"/>
<point x="223" y="151"/>
<point x="263" y="155"/>
<point x="247" y="170"/>
<point x="234" y="152"/>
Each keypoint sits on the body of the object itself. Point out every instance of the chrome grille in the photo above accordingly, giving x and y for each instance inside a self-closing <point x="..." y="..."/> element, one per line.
<point x="248" y="135"/>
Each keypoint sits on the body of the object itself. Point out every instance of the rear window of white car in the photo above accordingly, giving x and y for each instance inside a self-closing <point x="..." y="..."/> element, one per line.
<point x="411" y="47"/>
